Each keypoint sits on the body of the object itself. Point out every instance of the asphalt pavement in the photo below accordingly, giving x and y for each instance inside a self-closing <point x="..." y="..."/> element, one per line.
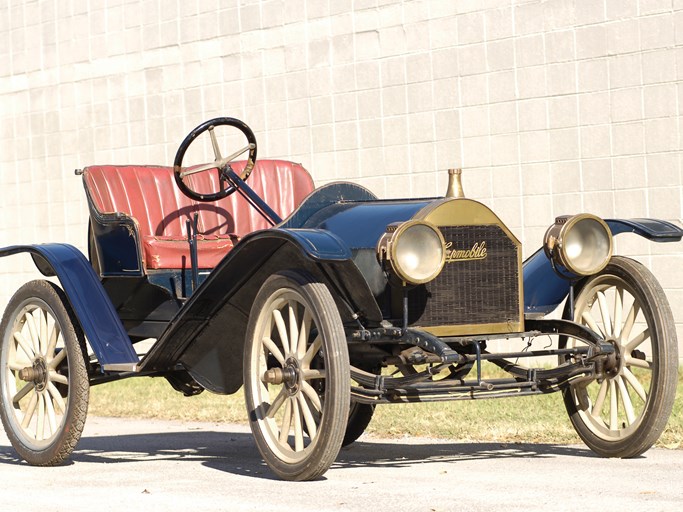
<point x="123" y="464"/>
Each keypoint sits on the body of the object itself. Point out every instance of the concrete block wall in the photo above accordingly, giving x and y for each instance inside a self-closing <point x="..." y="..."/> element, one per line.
<point x="551" y="107"/>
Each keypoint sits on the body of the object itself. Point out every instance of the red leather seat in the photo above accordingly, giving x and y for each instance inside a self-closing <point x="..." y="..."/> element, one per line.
<point x="150" y="195"/>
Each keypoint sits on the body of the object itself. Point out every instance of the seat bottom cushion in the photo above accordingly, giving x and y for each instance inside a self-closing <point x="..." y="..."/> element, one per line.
<point x="174" y="252"/>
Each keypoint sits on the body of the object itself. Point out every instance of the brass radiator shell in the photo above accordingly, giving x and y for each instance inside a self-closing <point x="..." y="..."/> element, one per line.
<point x="480" y="289"/>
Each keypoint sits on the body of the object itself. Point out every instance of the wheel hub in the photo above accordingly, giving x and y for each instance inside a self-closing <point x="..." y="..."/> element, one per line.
<point x="612" y="362"/>
<point x="289" y="375"/>
<point x="36" y="374"/>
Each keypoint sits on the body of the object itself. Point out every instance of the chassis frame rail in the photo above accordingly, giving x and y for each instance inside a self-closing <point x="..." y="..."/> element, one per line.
<point x="590" y="361"/>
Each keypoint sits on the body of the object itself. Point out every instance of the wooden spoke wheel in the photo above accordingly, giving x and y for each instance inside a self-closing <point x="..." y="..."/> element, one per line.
<point x="296" y="376"/>
<point x="43" y="379"/>
<point x="625" y="412"/>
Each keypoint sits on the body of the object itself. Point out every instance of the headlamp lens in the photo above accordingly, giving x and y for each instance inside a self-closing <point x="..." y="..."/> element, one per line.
<point x="587" y="246"/>
<point x="418" y="253"/>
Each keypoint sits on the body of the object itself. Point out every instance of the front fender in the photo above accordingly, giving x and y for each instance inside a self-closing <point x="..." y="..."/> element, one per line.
<point x="207" y="335"/>
<point x="653" y="229"/>
<point x="544" y="290"/>
<point x="88" y="299"/>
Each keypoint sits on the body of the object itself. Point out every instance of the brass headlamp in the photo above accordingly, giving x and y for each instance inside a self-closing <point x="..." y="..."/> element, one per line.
<point x="581" y="243"/>
<point x="414" y="249"/>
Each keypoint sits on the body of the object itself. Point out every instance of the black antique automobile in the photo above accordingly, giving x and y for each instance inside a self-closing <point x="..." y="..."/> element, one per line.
<point x="325" y="303"/>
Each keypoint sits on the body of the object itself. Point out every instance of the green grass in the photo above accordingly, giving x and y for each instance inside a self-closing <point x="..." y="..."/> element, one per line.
<point x="538" y="419"/>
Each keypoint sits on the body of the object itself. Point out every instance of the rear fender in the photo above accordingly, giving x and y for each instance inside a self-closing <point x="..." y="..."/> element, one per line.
<point x="544" y="290"/>
<point x="88" y="299"/>
<point x="208" y="334"/>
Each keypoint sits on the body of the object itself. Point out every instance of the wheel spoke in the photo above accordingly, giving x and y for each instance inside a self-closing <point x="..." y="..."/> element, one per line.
<point x="312" y="395"/>
<point x="40" y="429"/>
<point x="626" y="400"/>
<point x="635" y="342"/>
<point x="604" y="312"/>
<point x="618" y="311"/>
<point x="57" y="360"/>
<point x="57" y="377"/>
<point x="30" y="410"/>
<point x="298" y="427"/>
<point x="635" y="384"/>
<point x="308" y="416"/>
<point x="277" y="403"/>
<point x="630" y="320"/>
<point x="273" y="349"/>
<point x="311" y="352"/>
<point x="56" y="397"/>
<point x="313" y="374"/>
<point x="293" y="328"/>
<point x="43" y="331"/>
<point x="600" y="400"/>
<point x="52" y="344"/>
<point x="25" y="346"/>
<point x="638" y="363"/>
<point x="51" y="416"/>
<point x="303" y="334"/>
<point x="590" y="321"/>
<point x="613" y="406"/>
<point x="286" y="422"/>
<point x="22" y="393"/>
<point x="31" y="323"/>
<point x="282" y="330"/>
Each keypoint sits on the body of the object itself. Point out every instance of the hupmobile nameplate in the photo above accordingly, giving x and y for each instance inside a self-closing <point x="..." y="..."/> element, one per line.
<point x="477" y="252"/>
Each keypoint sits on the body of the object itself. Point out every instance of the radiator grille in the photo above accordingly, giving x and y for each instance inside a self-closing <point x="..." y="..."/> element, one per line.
<point x="474" y="291"/>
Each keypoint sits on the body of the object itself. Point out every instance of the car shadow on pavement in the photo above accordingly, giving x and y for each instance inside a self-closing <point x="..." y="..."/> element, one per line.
<point x="370" y="453"/>
<point x="236" y="452"/>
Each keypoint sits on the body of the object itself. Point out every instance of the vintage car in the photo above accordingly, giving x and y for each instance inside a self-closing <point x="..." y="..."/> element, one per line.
<point x="325" y="303"/>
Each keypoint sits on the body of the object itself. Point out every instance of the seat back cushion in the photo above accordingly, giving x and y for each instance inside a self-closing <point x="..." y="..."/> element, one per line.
<point x="150" y="195"/>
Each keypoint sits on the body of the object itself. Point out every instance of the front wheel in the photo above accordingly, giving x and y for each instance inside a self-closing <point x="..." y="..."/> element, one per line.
<point x="44" y="385"/>
<point x="296" y="376"/>
<point x="623" y="413"/>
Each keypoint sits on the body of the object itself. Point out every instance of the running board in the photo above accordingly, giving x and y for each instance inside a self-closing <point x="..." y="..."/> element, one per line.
<point x="121" y="367"/>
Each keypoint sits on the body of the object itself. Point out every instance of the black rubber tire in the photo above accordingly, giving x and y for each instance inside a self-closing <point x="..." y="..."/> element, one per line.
<point x="637" y="437"/>
<point x="360" y="416"/>
<point x="61" y="443"/>
<point x="334" y="392"/>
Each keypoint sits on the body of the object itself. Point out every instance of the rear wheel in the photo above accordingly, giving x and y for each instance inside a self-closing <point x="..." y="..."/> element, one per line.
<point x="296" y="376"/>
<point x="44" y="386"/>
<point x="624" y="413"/>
